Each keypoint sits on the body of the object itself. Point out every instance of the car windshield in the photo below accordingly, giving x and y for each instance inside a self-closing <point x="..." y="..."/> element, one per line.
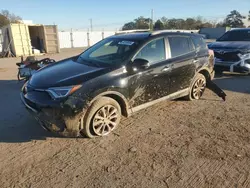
<point x="239" y="35"/>
<point x="108" y="52"/>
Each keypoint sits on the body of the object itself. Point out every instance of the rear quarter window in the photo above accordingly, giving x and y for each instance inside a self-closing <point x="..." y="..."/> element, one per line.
<point x="199" y="43"/>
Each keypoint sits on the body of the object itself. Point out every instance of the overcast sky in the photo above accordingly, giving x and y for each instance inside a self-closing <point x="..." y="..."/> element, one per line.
<point x="111" y="14"/>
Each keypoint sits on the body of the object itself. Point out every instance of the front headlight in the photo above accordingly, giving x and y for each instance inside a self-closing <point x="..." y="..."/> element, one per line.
<point x="244" y="56"/>
<point x="60" y="92"/>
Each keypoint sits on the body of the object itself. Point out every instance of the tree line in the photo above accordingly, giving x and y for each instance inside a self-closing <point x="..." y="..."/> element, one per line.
<point x="234" y="19"/>
<point x="6" y="18"/>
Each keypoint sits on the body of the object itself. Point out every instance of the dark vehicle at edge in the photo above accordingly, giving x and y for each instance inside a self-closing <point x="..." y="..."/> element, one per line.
<point x="120" y="75"/>
<point x="232" y="51"/>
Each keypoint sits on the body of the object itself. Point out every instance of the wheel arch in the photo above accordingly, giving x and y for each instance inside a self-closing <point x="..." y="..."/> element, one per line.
<point x="118" y="97"/>
<point x="205" y="72"/>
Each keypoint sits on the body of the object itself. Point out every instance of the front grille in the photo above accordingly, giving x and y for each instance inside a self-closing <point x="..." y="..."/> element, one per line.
<point x="227" y="56"/>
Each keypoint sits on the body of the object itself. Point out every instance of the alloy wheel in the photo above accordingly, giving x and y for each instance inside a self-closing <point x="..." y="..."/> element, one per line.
<point x="199" y="88"/>
<point x="105" y="120"/>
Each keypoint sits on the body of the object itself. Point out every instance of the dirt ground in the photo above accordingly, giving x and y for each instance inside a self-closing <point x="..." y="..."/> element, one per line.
<point x="203" y="143"/>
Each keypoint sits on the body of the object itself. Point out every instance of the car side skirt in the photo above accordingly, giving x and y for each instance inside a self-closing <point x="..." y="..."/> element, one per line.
<point x="172" y="96"/>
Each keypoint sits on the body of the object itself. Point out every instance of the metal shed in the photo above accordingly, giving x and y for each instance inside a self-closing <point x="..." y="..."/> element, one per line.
<point x="24" y="40"/>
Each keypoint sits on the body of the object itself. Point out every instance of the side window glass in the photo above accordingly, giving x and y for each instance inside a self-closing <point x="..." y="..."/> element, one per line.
<point x="180" y="46"/>
<point x="153" y="51"/>
<point x="191" y="44"/>
<point x="199" y="43"/>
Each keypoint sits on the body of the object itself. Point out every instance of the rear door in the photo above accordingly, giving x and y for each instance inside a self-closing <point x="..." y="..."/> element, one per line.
<point x="202" y="53"/>
<point x="183" y="62"/>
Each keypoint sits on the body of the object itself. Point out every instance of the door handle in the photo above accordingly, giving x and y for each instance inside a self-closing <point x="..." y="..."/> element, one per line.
<point x="167" y="68"/>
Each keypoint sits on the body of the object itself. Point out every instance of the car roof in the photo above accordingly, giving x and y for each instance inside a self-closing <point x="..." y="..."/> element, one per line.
<point x="241" y="29"/>
<point x="146" y="35"/>
<point x="135" y="36"/>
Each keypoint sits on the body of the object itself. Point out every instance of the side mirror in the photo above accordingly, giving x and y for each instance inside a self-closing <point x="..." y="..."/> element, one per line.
<point x="140" y="64"/>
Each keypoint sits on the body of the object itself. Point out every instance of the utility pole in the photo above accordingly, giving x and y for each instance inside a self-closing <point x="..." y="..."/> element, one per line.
<point x="152" y="20"/>
<point x="91" y="24"/>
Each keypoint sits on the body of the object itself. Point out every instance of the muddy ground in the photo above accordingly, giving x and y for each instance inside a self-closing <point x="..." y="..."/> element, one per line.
<point x="203" y="143"/>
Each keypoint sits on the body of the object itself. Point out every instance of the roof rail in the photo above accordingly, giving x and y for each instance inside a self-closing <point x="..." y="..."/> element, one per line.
<point x="132" y="31"/>
<point x="169" y="31"/>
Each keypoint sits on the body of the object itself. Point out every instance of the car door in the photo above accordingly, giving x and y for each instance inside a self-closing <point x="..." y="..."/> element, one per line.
<point x="183" y="63"/>
<point x="152" y="83"/>
<point x="202" y="53"/>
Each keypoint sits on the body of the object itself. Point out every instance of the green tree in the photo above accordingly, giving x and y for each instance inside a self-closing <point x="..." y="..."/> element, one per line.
<point x="3" y="21"/>
<point x="179" y="23"/>
<point x="142" y="23"/>
<point x="220" y="24"/>
<point x="249" y="15"/>
<point x="158" y="25"/>
<point x="129" y="26"/>
<point x="138" y="23"/>
<point x="164" y="20"/>
<point x="171" y="24"/>
<point x="6" y="17"/>
<point x="234" y="19"/>
<point x="191" y="23"/>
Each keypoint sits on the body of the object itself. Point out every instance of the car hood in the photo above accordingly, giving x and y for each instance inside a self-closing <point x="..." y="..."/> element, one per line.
<point x="65" y="73"/>
<point x="234" y="45"/>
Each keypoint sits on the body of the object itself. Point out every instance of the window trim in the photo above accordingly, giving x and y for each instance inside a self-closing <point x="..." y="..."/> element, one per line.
<point x="181" y="54"/>
<point x="166" y="52"/>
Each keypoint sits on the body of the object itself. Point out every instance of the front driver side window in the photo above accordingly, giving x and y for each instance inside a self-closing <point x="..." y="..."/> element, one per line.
<point x="154" y="51"/>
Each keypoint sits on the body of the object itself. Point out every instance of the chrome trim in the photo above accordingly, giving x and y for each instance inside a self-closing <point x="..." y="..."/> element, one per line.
<point x="28" y="106"/>
<point x="181" y="93"/>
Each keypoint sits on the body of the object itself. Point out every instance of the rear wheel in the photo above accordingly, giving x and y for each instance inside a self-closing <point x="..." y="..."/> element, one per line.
<point x="102" y="117"/>
<point x="197" y="88"/>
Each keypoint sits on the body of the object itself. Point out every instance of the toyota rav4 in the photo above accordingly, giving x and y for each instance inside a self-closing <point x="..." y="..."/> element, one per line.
<point x="118" y="76"/>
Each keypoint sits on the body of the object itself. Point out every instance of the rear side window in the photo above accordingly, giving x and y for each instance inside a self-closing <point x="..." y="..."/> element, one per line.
<point x="199" y="43"/>
<point x="180" y="45"/>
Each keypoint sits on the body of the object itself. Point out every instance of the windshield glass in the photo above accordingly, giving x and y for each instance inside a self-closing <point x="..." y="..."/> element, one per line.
<point x="109" y="51"/>
<point x="242" y="35"/>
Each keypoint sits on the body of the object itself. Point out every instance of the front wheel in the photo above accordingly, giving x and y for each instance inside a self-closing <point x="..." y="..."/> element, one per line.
<point x="197" y="88"/>
<point x="102" y="117"/>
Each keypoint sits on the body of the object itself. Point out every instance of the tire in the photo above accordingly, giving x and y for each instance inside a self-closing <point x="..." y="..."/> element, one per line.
<point x="197" y="88"/>
<point x="102" y="117"/>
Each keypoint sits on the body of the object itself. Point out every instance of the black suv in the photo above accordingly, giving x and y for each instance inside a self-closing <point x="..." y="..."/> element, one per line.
<point x="120" y="75"/>
<point x="232" y="51"/>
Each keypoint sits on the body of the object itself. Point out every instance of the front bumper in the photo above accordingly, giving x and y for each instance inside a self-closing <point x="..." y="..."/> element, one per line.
<point x="50" y="117"/>
<point x="239" y="66"/>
